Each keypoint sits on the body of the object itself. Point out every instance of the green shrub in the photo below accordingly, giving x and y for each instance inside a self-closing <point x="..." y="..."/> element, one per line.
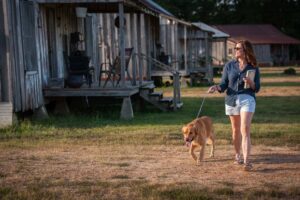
<point x="290" y="71"/>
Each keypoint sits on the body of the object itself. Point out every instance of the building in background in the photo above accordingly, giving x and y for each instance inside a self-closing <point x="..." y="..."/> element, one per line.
<point x="272" y="47"/>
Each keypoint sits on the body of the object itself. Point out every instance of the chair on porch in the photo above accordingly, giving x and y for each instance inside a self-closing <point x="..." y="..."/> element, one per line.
<point x="113" y="70"/>
<point x="79" y="70"/>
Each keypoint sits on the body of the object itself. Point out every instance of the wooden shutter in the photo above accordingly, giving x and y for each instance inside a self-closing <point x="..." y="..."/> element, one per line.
<point x="28" y="35"/>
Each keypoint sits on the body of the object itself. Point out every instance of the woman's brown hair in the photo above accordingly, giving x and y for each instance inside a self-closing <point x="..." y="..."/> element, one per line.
<point x="249" y="53"/>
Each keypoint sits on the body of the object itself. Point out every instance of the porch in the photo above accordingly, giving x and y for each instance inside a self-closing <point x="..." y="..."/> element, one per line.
<point x="145" y="90"/>
<point x="95" y="90"/>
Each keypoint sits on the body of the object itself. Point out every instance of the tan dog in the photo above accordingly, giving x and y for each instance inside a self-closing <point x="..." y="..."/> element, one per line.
<point x="196" y="134"/>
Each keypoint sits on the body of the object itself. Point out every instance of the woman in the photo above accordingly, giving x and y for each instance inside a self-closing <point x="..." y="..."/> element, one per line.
<point x="240" y="102"/>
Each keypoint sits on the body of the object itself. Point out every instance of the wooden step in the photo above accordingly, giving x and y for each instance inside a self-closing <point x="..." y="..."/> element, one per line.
<point x="148" y="87"/>
<point x="178" y="106"/>
<point x="166" y="100"/>
<point x="156" y="95"/>
<point x="6" y="114"/>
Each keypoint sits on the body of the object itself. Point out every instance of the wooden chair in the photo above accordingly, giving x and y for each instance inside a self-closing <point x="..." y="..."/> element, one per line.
<point x="114" y="69"/>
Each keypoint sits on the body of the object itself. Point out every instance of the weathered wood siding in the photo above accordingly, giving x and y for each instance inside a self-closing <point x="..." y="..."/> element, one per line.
<point x="196" y="46"/>
<point x="182" y="47"/>
<point x="5" y="80"/>
<point x="16" y="55"/>
<point x="219" y="51"/>
<point x="280" y="54"/>
<point x="92" y="43"/>
<point x="138" y="34"/>
<point x="169" y="38"/>
<point x="101" y="40"/>
<point x="23" y="57"/>
<point x="56" y="24"/>
<point x="33" y="93"/>
<point x="263" y="53"/>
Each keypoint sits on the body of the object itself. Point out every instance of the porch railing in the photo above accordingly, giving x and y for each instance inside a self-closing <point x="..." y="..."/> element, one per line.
<point x="176" y="77"/>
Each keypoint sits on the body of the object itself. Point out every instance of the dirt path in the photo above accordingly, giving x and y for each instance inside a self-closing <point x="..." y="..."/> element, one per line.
<point x="19" y="168"/>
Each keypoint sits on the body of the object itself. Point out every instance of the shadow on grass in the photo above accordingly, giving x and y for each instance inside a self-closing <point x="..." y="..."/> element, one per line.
<point x="268" y="110"/>
<point x="90" y="123"/>
<point x="276" y="158"/>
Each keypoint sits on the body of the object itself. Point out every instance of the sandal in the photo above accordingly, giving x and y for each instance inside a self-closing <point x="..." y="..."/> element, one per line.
<point x="238" y="161"/>
<point x="248" y="167"/>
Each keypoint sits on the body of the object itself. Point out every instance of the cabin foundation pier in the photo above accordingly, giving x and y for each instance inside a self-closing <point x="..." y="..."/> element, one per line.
<point x="61" y="106"/>
<point x="126" y="110"/>
<point x="6" y="114"/>
<point x="41" y="113"/>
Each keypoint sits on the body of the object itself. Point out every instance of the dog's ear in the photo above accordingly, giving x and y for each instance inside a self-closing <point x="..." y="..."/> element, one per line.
<point x="194" y="129"/>
<point x="184" y="128"/>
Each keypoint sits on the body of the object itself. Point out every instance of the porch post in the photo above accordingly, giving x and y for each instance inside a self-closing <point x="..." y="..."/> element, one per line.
<point x="139" y="40"/>
<point x="185" y="48"/>
<point x="5" y="65"/>
<point x="207" y="59"/>
<point x="133" y="36"/>
<point x="122" y="43"/>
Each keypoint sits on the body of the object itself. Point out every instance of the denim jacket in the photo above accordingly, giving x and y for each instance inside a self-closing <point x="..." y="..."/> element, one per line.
<point x="232" y="81"/>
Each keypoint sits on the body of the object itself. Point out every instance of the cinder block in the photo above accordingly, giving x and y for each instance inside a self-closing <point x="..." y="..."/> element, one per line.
<point x="6" y="114"/>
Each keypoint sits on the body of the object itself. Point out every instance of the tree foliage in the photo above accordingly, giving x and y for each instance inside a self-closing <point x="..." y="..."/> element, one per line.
<point x="283" y="14"/>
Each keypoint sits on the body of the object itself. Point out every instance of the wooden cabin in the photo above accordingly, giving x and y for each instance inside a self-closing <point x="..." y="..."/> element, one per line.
<point x="199" y="52"/>
<point x="271" y="47"/>
<point x="219" y="43"/>
<point x="218" y="55"/>
<point x="185" y="48"/>
<point x="54" y="49"/>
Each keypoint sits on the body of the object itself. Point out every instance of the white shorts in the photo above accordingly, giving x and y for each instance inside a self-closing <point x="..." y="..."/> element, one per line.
<point x="244" y="103"/>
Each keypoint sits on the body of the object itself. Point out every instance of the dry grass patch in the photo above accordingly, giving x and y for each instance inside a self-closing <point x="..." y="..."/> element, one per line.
<point x="144" y="172"/>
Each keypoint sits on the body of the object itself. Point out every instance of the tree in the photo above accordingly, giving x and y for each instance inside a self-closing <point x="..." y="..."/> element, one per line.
<point x="283" y="14"/>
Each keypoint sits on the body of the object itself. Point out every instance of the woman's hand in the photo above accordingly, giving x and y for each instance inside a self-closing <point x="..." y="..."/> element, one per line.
<point x="213" y="88"/>
<point x="249" y="82"/>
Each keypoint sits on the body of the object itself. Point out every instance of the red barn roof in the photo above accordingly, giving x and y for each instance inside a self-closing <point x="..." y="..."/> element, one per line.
<point x="257" y="34"/>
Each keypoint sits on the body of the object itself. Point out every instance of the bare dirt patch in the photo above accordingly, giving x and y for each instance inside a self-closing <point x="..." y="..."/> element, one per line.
<point x="65" y="169"/>
<point x="264" y="92"/>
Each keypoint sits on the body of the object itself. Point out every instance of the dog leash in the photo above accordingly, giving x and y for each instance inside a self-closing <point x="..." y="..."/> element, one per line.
<point x="201" y="106"/>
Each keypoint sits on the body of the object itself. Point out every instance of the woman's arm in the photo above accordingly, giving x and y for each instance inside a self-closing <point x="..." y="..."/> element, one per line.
<point x="224" y="82"/>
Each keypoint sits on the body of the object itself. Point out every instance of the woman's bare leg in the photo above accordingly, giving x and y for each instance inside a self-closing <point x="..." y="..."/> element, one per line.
<point x="236" y="133"/>
<point x="246" y="118"/>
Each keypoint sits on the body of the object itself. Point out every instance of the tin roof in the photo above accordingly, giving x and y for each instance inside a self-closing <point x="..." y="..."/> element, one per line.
<point x="257" y="34"/>
<point x="156" y="7"/>
<point x="216" y="33"/>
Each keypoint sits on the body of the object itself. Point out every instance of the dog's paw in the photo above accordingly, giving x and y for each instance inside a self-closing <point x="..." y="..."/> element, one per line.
<point x="199" y="163"/>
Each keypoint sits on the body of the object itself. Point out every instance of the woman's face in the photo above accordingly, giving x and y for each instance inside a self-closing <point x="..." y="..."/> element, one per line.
<point x="239" y="51"/>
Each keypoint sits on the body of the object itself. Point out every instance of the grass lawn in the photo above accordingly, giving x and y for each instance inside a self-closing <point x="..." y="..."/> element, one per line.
<point x="94" y="155"/>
